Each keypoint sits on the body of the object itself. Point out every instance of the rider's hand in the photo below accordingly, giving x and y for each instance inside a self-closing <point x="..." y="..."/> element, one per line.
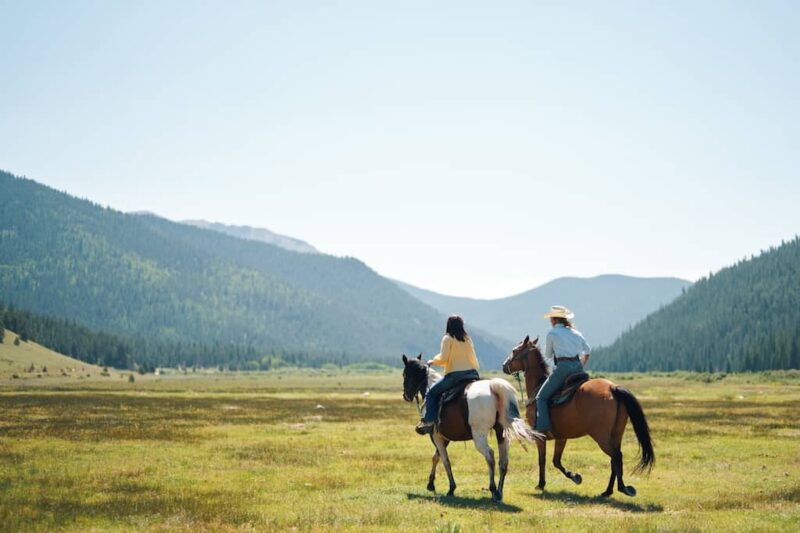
<point x="430" y="362"/>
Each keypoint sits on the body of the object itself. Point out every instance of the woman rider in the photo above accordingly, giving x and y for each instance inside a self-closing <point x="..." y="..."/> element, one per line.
<point x="459" y="361"/>
<point x="570" y="353"/>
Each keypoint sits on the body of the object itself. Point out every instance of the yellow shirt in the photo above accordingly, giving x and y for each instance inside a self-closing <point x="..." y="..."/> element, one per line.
<point x="456" y="355"/>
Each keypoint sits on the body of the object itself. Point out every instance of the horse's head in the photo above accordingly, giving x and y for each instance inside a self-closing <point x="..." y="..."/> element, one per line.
<point x="517" y="360"/>
<point x="415" y="377"/>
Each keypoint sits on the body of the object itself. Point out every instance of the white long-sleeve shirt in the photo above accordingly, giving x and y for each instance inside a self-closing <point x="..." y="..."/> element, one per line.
<point x="565" y="342"/>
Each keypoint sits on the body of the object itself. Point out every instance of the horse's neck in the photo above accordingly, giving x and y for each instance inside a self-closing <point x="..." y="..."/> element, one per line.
<point x="433" y="377"/>
<point x="533" y="376"/>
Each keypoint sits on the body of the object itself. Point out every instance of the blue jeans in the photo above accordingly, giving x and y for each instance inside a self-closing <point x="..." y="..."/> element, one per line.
<point x="554" y="382"/>
<point x="439" y="388"/>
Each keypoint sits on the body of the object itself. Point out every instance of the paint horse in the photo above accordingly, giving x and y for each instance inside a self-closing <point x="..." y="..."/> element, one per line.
<point x="485" y="405"/>
<point x="599" y="408"/>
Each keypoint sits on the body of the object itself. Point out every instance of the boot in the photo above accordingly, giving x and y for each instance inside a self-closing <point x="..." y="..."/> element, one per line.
<point x="424" y="428"/>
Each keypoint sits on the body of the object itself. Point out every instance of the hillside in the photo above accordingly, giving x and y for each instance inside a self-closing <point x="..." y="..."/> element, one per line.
<point x="605" y="306"/>
<point x="139" y="275"/>
<point x="18" y="358"/>
<point x="256" y="234"/>
<point x="744" y="317"/>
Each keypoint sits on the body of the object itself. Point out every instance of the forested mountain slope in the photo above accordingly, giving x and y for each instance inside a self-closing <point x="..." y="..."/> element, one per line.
<point x="139" y="275"/>
<point x="744" y="317"/>
<point x="605" y="305"/>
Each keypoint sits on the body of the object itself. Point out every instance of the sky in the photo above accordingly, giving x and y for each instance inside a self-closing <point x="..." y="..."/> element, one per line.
<point x="472" y="148"/>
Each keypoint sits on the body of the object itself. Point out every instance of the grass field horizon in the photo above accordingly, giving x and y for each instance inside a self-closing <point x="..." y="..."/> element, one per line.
<point x="324" y="450"/>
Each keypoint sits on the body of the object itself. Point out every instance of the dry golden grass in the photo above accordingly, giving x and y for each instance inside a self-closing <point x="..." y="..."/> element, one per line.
<point x="252" y="452"/>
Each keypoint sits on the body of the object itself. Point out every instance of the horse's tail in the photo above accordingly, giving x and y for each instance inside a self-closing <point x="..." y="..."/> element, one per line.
<point x="508" y="413"/>
<point x="640" y="427"/>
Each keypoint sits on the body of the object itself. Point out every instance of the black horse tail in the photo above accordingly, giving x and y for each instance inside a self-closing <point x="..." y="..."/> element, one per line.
<point x="640" y="427"/>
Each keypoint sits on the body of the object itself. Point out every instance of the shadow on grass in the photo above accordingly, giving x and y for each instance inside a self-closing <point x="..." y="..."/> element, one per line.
<point x="470" y="503"/>
<point x="571" y="497"/>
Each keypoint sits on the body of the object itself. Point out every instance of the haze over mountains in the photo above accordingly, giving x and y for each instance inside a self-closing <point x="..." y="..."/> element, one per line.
<point x="605" y="306"/>
<point x="256" y="234"/>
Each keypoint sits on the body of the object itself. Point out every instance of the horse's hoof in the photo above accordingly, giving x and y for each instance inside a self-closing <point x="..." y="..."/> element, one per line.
<point x="628" y="491"/>
<point x="450" y="493"/>
<point x="606" y="494"/>
<point x="577" y="479"/>
<point x="431" y="487"/>
<point x="497" y="497"/>
<point x="540" y="487"/>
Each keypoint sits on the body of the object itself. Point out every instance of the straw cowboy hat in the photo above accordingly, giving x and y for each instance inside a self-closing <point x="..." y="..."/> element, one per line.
<point x="559" y="311"/>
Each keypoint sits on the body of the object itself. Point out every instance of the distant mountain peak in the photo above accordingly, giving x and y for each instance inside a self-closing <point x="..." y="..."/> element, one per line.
<point x="255" y="234"/>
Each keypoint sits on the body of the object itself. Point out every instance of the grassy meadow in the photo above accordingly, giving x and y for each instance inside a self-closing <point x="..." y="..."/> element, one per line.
<point x="311" y="451"/>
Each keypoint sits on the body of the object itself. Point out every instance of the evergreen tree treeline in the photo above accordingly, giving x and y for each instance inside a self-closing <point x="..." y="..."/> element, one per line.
<point x="743" y="318"/>
<point x="104" y="349"/>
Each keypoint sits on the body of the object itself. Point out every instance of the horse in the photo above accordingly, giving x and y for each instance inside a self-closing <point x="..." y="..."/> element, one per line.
<point x="487" y="404"/>
<point x="599" y="408"/>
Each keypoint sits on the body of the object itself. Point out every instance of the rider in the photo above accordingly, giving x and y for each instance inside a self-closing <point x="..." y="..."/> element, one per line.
<point x="459" y="361"/>
<point x="570" y="353"/>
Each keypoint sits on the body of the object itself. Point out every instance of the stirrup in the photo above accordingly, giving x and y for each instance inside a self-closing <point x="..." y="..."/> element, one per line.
<point x="424" y="428"/>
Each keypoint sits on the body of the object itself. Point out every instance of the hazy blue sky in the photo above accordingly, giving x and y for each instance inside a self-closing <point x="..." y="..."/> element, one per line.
<point x="477" y="149"/>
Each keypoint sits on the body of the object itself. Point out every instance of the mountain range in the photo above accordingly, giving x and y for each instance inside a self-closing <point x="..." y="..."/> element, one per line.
<point x="167" y="292"/>
<point x="137" y="275"/>
<point x="604" y="306"/>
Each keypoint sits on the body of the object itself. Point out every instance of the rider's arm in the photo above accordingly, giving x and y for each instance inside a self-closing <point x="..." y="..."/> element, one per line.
<point x="549" y="352"/>
<point x="587" y="351"/>
<point x="444" y="355"/>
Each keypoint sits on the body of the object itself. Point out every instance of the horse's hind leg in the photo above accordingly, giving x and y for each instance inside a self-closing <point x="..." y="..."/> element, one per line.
<point x="627" y="490"/>
<point x="503" y="445"/>
<point x="559" y="450"/>
<point x="432" y="476"/>
<point x="609" y="449"/>
<point x="481" y="440"/>
<point x="441" y="446"/>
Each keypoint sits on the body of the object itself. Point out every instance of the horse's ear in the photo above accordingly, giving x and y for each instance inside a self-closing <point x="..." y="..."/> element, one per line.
<point x="527" y="338"/>
<point x="535" y="340"/>
<point x="419" y="357"/>
<point x="405" y="359"/>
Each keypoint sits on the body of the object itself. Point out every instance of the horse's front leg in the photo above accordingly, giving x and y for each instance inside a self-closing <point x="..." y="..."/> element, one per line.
<point x="541" y="447"/>
<point x="435" y="463"/>
<point x="559" y="450"/>
<point x="441" y="446"/>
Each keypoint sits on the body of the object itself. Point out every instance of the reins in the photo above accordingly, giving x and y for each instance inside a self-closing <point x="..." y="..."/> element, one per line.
<point x="419" y="389"/>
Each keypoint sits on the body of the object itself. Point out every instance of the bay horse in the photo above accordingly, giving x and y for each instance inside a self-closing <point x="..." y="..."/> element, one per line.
<point x="599" y="408"/>
<point x="487" y="404"/>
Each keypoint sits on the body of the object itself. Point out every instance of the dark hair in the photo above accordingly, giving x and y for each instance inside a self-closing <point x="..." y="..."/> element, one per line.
<point x="455" y="328"/>
<point x="563" y="322"/>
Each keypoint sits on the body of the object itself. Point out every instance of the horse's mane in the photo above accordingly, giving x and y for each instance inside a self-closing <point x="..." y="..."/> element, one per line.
<point x="543" y="366"/>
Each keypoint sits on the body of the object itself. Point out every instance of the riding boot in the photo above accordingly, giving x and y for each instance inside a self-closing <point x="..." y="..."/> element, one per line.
<point x="424" y="428"/>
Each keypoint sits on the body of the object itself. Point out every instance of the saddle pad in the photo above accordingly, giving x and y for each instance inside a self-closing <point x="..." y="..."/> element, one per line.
<point x="571" y="384"/>
<point x="455" y="391"/>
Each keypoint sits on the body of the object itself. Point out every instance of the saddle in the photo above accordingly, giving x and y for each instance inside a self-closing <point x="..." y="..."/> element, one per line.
<point x="566" y="392"/>
<point x="453" y="393"/>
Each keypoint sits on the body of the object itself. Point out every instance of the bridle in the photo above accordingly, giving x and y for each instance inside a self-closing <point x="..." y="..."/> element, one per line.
<point x="515" y="357"/>
<point x="421" y="388"/>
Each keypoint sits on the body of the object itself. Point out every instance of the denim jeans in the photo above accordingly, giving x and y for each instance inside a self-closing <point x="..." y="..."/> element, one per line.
<point x="554" y="382"/>
<point x="439" y="388"/>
